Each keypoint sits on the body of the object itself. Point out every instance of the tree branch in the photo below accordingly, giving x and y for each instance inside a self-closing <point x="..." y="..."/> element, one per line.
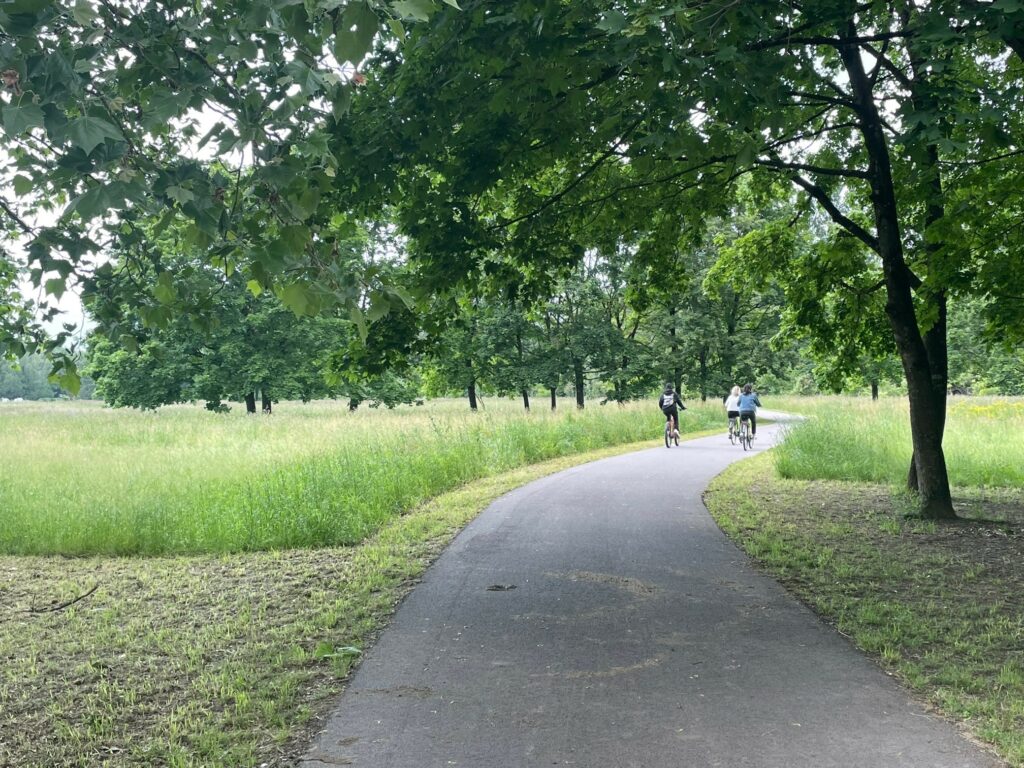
<point x="853" y="174"/>
<point x="16" y="218"/>
<point x="833" y="42"/>
<point x="838" y="217"/>
<point x="589" y="170"/>
<point x="886" y="63"/>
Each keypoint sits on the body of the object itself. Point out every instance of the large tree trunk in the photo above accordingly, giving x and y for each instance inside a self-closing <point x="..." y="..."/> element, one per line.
<point x="936" y="337"/>
<point x="250" y="403"/>
<point x="554" y="397"/>
<point x="577" y="374"/>
<point x="925" y="426"/>
<point x="471" y="391"/>
<point x="267" y="405"/>
<point x="526" y="398"/>
<point x="874" y="389"/>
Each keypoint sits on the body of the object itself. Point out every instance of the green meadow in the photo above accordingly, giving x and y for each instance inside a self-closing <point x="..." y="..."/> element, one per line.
<point x="939" y="605"/>
<point x="857" y="439"/>
<point x="84" y="479"/>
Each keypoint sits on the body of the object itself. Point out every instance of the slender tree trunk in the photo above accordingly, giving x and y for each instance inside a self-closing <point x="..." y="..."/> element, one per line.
<point x="250" y="403"/>
<point x="620" y="383"/>
<point x="703" y="361"/>
<point x="471" y="391"/>
<point x="673" y="348"/>
<point x="577" y="373"/>
<point x="874" y="389"/>
<point x="520" y="351"/>
<point x="554" y="397"/>
<point x="267" y="405"/>
<point x="926" y="430"/>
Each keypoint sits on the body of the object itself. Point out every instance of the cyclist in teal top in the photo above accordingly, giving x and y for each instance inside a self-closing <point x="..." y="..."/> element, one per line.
<point x="749" y="403"/>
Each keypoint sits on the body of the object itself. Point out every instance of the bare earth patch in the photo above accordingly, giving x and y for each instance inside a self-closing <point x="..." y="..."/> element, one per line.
<point x="940" y="605"/>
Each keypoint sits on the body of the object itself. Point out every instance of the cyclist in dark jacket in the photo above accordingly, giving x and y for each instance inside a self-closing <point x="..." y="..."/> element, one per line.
<point x="671" y="403"/>
<point x="749" y="403"/>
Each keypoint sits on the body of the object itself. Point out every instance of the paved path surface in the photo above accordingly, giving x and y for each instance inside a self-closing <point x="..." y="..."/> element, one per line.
<point x="637" y="636"/>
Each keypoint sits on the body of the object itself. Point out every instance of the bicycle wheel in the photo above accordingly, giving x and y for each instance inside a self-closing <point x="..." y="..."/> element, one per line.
<point x="745" y="436"/>
<point x="668" y="436"/>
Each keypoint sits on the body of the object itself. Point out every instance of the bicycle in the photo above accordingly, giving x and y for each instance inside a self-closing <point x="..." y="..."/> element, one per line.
<point x="734" y="429"/>
<point x="746" y="438"/>
<point x="671" y="433"/>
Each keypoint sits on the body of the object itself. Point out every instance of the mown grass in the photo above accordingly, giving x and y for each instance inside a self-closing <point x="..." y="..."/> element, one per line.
<point x="91" y="480"/>
<point x="860" y="440"/>
<point x="206" y="660"/>
<point x="939" y="604"/>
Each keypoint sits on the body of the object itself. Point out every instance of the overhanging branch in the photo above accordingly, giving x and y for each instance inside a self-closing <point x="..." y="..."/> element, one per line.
<point x="838" y="216"/>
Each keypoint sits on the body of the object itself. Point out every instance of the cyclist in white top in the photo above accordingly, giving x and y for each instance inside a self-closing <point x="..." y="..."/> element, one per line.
<point x="732" y="409"/>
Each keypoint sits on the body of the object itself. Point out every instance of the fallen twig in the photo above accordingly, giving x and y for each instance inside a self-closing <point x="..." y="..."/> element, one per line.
<point x="62" y="606"/>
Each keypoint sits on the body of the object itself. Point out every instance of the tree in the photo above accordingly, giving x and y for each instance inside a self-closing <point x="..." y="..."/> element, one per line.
<point x="863" y="109"/>
<point x="246" y="345"/>
<point x="108" y="107"/>
<point x="28" y="379"/>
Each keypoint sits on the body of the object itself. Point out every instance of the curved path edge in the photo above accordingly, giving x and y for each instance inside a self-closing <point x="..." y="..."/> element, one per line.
<point x="598" y="617"/>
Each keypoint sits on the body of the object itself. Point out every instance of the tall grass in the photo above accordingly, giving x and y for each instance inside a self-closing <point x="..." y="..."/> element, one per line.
<point x="857" y="439"/>
<point x="81" y="479"/>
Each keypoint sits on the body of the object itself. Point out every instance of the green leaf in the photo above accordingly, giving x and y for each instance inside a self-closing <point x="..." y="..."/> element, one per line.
<point x="165" y="291"/>
<point x="453" y="4"/>
<point x="379" y="306"/>
<point x="357" y="26"/>
<point x="22" y="185"/>
<point x="397" y="29"/>
<point x="341" y="103"/>
<point x="84" y="13"/>
<point x="162" y="106"/>
<point x="414" y="9"/>
<point x="100" y="199"/>
<point x="71" y="381"/>
<point x="180" y="194"/>
<point x="612" y="22"/>
<point x="20" y="118"/>
<point x="293" y="239"/>
<point x="295" y="296"/>
<point x="89" y="132"/>
<point x="254" y="287"/>
<point x="360" y="322"/>
<point x="55" y="287"/>
<point x="309" y="80"/>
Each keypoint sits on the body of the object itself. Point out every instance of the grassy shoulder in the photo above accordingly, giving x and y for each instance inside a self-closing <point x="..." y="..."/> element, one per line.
<point x="214" y="660"/>
<point x="939" y="605"/>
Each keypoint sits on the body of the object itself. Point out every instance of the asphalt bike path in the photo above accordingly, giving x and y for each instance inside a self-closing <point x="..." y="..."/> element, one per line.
<point x="599" y="618"/>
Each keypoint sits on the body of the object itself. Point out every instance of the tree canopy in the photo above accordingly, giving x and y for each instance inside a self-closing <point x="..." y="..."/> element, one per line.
<point x="512" y="144"/>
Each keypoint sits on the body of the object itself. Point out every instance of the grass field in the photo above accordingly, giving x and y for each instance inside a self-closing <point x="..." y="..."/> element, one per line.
<point x="857" y="439"/>
<point x="228" y="657"/>
<point x="204" y="652"/>
<point x="91" y="480"/>
<point x="206" y="661"/>
<point x="938" y="604"/>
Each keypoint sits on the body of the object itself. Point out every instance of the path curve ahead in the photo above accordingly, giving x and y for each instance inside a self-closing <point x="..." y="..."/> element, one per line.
<point x="637" y="636"/>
